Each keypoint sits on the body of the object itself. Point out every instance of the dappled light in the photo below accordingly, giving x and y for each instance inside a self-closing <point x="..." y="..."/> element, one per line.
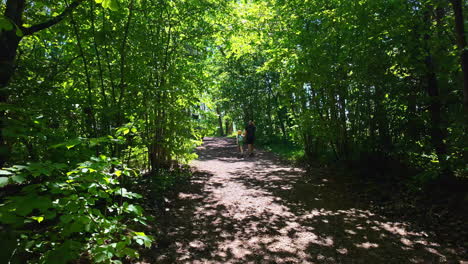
<point x="253" y="210"/>
<point x="253" y="131"/>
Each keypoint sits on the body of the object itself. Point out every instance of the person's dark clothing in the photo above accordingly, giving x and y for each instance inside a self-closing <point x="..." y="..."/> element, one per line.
<point x="250" y="138"/>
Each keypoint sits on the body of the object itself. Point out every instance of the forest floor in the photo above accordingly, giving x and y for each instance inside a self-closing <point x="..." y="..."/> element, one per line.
<point x="263" y="210"/>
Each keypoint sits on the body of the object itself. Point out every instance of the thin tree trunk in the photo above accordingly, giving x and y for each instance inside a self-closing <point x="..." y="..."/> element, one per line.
<point x="220" y="121"/>
<point x="343" y="121"/>
<point x="438" y="134"/>
<point x="89" y="110"/>
<point x="382" y="120"/>
<point x="9" y="42"/>
<point x="123" y="53"/>
<point x="279" y="112"/>
<point x="462" y="46"/>
<point x="435" y="109"/>
<point x="101" y="73"/>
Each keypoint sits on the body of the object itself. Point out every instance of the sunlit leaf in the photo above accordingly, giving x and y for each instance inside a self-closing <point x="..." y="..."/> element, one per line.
<point x="5" y="172"/>
<point x="38" y="218"/>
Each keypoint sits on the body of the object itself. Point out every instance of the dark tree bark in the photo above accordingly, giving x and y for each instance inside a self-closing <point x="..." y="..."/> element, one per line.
<point x="437" y="132"/>
<point x="462" y="46"/>
<point x="461" y="42"/>
<point x="435" y="109"/>
<point x="9" y="42"/>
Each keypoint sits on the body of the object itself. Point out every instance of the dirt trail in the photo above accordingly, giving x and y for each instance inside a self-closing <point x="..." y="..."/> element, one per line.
<point x="258" y="210"/>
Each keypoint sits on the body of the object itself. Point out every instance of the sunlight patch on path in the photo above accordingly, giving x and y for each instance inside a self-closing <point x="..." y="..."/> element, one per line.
<point x="248" y="211"/>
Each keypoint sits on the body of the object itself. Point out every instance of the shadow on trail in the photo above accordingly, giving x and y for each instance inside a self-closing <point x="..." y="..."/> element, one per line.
<point x="260" y="211"/>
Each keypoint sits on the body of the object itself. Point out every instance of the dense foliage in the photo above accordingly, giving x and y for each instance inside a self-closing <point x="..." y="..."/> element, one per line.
<point x="364" y="81"/>
<point x="92" y="88"/>
<point x="89" y="89"/>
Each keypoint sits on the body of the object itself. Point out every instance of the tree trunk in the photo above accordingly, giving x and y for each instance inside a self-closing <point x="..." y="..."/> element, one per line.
<point x="385" y="140"/>
<point x="435" y="110"/>
<point x="437" y="131"/>
<point x="8" y="45"/>
<point x="9" y="42"/>
<point x="462" y="46"/>
<point x="344" y="127"/>
<point x="226" y="126"/>
<point x="437" y="134"/>
<point x="279" y="112"/>
<point x="220" y="121"/>
<point x="461" y="42"/>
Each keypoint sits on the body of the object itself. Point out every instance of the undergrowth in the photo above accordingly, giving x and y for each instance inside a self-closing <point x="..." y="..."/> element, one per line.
<point x="53" y="212"/>
<point x="286" y="150"/>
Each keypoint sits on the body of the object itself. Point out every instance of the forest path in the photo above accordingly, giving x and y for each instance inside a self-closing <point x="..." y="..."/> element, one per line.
<point x="260" y="210"/>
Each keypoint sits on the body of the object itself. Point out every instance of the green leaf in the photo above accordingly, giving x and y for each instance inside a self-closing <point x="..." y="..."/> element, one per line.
<point x="37" y="218"/>
<point x="26" y="204"/>
<point x="125" y="131"/>
<point x="100" y="257"/>
<point x="64" y="253"/>
<point x="18" y="167"/>
<point x="113" y="5"/>
<point x="3" y="181"/>
<point x="72" y="143"/>
<point x="19" y="32"/>
<point x="4" y="172"/>
<point x="50" y="215"/>
<point x="18" y="178"/>
<point x="66" y="218"/>
<point x="5" y="23"/>
<point x="142" y="239"/>
<point x="126" y="194"/>
<point x="74" y="227"/>
<point x="68" y="144"/>
<point x="72" y="172"/>
<point x="136" y="209"/>
<point x="131" y="252"/>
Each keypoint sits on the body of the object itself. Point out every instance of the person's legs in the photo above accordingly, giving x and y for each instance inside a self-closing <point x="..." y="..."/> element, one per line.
<point x="251" y="149"/>
<point x="249" y="145"/>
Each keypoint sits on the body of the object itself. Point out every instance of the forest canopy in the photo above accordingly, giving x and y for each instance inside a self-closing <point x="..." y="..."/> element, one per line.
<point x="96" y="95"/>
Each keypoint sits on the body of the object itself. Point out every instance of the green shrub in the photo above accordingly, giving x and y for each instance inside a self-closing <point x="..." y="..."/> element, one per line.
<point x="60" y="214"/>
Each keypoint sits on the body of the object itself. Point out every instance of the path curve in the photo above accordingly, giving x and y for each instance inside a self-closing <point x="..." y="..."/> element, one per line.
<point x="258" y="210"/>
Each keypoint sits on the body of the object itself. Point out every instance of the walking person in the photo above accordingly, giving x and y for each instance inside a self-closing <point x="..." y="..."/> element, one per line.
<point x="240" y="142"/>
<point x="250" y="137"/>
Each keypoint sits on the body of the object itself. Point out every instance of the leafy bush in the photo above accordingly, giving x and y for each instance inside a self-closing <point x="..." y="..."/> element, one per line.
<point x="59" y="214"/>
<point x="284" y="149"/>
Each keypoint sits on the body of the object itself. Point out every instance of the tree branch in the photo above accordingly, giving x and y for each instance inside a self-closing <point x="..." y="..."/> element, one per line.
<point x="38" y="27"/>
